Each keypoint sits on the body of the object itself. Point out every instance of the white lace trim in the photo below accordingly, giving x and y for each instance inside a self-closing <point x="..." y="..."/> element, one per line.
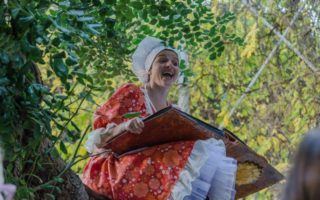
<point x="94" y="137"/>
<point x="176" y="106"/>
<point x="196" y="160"/>
<point x="147" y="101"/>
<point x="223" y="183"/>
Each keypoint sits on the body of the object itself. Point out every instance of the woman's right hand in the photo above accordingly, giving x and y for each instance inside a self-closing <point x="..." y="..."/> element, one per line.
<point x="134" y="125"/>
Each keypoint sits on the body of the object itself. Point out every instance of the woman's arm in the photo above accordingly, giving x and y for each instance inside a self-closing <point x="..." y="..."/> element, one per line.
<point x="134" y="125"/>
<point x="108" y="120"/>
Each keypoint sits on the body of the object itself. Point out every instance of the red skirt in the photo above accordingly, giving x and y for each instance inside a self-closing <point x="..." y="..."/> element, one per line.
<point x="148" y="174"/>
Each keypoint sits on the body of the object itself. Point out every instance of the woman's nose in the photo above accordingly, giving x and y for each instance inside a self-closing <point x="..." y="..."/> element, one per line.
<point x="169" y="64"/>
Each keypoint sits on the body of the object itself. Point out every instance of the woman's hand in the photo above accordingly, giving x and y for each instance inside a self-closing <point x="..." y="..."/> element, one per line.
<point x="134" y="125"/>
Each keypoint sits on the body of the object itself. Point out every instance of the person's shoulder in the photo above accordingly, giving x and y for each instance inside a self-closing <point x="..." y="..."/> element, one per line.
<point x="126" y="89"/>
<point x="129" y="86"/>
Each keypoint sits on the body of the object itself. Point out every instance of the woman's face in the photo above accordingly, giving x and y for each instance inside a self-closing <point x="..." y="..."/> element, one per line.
<point x="165" y="69"/>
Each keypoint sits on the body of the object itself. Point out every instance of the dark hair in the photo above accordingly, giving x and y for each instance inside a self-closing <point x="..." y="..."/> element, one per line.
<point x="304" y="178"/>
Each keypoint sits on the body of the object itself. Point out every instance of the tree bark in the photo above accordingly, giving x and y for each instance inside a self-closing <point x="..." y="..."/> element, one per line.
<point x="72" y="186"/>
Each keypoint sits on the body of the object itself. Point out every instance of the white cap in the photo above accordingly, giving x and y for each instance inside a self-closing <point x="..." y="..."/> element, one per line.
<point x="144" y="55"/>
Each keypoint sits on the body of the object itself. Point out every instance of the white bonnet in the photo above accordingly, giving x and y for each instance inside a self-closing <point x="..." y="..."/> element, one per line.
<point x="144" y="55"/>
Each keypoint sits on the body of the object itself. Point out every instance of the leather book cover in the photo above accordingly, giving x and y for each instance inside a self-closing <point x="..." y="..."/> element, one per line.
<point x="170" y="125"/>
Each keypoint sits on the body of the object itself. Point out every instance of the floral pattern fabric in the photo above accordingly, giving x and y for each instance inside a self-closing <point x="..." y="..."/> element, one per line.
<point x="148" y="174"/>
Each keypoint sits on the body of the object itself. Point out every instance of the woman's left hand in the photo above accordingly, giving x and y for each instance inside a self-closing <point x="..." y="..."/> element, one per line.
<point x="134" y="125"/>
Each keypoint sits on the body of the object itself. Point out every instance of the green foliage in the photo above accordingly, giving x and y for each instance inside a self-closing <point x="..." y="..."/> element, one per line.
<point x="132" y="114"/>
<point x="58" y="56"/>
<point x="284" y="102"/>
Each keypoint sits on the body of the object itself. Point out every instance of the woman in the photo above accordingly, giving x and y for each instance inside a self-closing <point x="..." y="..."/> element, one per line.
<point x="178" y="170"/>
<point x="304" y="178"/>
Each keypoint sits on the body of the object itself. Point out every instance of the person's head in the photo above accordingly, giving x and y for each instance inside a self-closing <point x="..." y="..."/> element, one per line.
<point x="155" y="63"/>
<point x="304" y="178"/>
<point x="165" y="69"/>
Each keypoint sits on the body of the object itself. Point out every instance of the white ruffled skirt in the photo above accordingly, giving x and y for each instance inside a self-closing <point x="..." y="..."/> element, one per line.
<point x="208" y="173"/>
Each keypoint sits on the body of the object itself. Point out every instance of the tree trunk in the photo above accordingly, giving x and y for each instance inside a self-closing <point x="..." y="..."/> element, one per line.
<point x="72" y="186"/>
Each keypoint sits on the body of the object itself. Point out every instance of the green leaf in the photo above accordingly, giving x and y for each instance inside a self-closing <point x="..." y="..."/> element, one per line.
<point x="59" y="179"/>
<point x="60" y="96"/>
<point x="213" y="31"/>
<point x="220" y="49"/>
<point x="186" y="29"/>
<point x="56" y="41"/>
<point x="15" y="12"/>
<point x="174" y="31"/>
<point x="131" y="115"/>
<point x="25" y="45"/>
<point x="208" y="45"/>
<point x="218" y="44"/>
<point x="137" y="5"/>
<point x="62" y="54"/>
<point x="216" y="39"/>
<point x="85" y="19"/>
<point x="64" y="3"/>
<point x="4" y="81"/>
<point x="92" y="30"/>
<point x="239" y="41"/>
<point x="145" y="28"/>
<point x="182" y="64"/>
<point x="71" y="61"/>
<point x="59" y="68"/>
<point x="75" y="126"/>
<point x="94" y="25"/>
<point x="185" y="12"/>
<point x="4" y="58"/>
<point x="54" y="153"/>
<point x="25" y="20"/>
<point x="164" y="12"/>
<point x="153" y="21"/>
<point x="223" y="29"/>
<point x="76" y="12"/>
<point x="63" y="148"/>
<point x="213" y="56"/>
<point x="154" y="10"/>
<point x="187" y="72"/>
<point x="61" y="28"/>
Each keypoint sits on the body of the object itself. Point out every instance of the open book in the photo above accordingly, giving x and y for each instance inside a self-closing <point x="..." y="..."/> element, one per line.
<point x="170" y="125"/>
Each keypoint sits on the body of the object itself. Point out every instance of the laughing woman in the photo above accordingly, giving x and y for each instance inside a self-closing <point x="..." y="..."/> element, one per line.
<point x="178" y="170"/>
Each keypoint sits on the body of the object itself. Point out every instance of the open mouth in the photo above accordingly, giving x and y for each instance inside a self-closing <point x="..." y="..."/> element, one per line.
<point x="168" y="74"/>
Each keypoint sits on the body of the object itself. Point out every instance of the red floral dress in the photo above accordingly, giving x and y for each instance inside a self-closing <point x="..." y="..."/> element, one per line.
<point x="148" y="174"/>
